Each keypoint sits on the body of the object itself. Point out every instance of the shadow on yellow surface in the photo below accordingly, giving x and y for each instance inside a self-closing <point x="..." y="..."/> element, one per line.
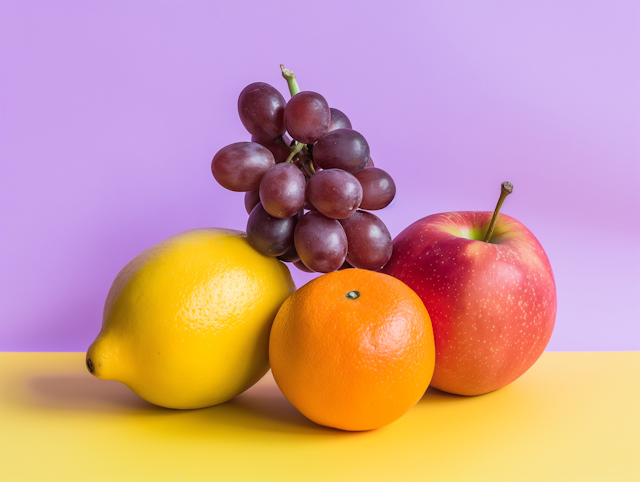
<point x="433" y="396"/>
<point x="74" y="391"/>
<point x="262" y="407"/>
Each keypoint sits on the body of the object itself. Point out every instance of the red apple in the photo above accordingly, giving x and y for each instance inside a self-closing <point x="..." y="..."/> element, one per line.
<point x="492" y="304"/>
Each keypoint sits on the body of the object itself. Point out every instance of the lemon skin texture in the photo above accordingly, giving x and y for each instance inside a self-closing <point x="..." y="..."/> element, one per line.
<point x="186" y="323"/>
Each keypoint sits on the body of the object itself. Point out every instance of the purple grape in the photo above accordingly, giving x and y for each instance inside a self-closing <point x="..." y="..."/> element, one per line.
<point x="278" y="147"/>
<point x="321" y="242"/>
<point x="270" y="235"/>
<point x="335" y="193"/>
<point x="342" y="149"/>
<point x="290" y="256"/>
<point x="282" y="190"/>
<point x="346" y="264"/>
<point x="261" y="109"/>
<point x="308" y="206"/>
<point x="302" y="267"/>
<point x="240" y="166"/>
<point x="369" y="164"/>
<point x="370" y="243"/>
<point x="338" y="120"/>
<point x="378" y="188"/>
<point x="307" y="117"/>
<point x="251" y="198"/>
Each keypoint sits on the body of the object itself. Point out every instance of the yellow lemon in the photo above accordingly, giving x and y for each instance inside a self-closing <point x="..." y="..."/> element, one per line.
<point x="186" y="323"/>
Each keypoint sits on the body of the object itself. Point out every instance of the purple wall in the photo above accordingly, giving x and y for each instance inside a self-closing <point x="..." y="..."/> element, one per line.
<point x="110" y="113"/>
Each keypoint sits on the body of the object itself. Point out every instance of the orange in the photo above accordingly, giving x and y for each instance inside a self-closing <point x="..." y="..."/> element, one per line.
<point x="353" y="349"/>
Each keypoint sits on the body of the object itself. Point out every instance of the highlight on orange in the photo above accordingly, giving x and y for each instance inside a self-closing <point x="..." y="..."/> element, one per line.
<point x="353" y="349"/>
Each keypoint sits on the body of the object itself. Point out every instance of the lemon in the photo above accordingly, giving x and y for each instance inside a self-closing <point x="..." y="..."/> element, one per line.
<point x="186" y="323"/>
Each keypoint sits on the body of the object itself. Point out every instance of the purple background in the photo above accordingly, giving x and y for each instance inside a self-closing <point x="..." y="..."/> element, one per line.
<point x="110" y="113"/>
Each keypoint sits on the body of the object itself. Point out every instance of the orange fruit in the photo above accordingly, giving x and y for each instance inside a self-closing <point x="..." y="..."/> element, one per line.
<point x="353" y="349"/>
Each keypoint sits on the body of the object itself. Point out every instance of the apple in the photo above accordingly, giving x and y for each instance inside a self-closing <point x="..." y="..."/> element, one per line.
<point x="488" y="286"/>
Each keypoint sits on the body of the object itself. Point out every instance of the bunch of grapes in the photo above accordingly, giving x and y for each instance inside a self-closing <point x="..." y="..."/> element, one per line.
<point x="307" y="198"/>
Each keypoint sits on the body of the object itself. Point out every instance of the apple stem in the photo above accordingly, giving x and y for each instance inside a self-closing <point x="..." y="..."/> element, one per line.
<point x="290" y="77"/>
<point x="506" y="189"/>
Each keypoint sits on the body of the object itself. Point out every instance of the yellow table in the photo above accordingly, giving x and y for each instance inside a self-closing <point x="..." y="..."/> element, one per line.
<point x="573" y="416"/>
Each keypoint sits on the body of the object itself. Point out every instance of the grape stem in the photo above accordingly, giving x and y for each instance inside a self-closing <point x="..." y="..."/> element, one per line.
<point x="280" y="141"/>
<point x="296" y="149"/>
<point x="311" y="168"/>
<point x="307" y="161"/>
<point x="305" y="170"/>
<point x="505" y="190"/>
<point x="290" y="77"/>
<point x="307" y="165"/>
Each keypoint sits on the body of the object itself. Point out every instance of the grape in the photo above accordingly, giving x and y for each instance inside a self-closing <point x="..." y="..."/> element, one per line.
<point x="338" y="120"/>
<point x="370" y="244"/>
<point x="346" y="264"/>
<point x="302" y="267"/>
<point x="342" y="149"/>
<point x="270" y="235"/>
<point x="335" y="193"/>
<point x="378" y="188"/>
<point x="240" y="166"/>
<point x="282" y="190"/>
<point x="261" y="109"/>
<point x="307" y="117"/>
<point x="279" y="147"/>
<point x="290" y="256"/>
<point x="307" y="204"/>
<point x="331" y="178"/>
<point x="321" y="242"/>
<point x="251" y="198"/>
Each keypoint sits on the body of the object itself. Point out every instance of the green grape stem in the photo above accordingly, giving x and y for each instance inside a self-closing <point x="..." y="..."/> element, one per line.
<point x="295" y="150"/>
<point x="280" y="141"/>
<point x="311" y="168"/>
<point x="308" y="154"/>
<point x="290" y="77"/>
<point x="305" y="169"/>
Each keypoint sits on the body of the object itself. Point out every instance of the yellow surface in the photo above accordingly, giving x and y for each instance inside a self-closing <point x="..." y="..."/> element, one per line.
<point x="573" y="416"/>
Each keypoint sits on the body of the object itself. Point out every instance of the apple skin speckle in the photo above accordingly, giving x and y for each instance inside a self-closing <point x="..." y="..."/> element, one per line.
<point x="492" y="305"/>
